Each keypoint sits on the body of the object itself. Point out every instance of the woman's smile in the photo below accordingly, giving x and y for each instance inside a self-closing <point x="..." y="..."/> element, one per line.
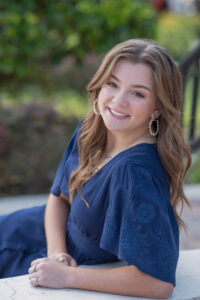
<point x="116" y="114"/>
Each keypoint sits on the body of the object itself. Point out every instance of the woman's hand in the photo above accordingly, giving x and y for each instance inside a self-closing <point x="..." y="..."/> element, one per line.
<point x="48" y="272"/>
<point x="64" y="258"/>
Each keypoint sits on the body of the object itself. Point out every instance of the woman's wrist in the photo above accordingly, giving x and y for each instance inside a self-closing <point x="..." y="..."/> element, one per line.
<point x="56" y="252"/>
<point x="71" y="277"/>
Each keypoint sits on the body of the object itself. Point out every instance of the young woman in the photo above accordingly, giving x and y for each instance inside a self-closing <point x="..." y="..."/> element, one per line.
<point x="117" y="189"/>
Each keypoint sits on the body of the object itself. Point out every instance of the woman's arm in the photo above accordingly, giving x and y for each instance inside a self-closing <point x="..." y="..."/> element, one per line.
<point x="127" y="280"/>
<point x="56" y="215"/>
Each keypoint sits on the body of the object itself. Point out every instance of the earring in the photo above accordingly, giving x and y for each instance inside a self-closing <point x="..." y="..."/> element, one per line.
<point x="154" y="133"/>
<point x="94" y="108"/>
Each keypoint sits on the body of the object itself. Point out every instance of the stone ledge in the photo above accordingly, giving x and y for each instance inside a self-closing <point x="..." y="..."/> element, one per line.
<point x="187" y="288"/>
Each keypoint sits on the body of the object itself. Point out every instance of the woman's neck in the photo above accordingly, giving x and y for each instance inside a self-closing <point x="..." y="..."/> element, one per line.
<point x="116" y="144"/>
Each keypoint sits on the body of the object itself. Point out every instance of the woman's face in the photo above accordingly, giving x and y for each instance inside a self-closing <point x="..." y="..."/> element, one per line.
<point x="127" y="100"/>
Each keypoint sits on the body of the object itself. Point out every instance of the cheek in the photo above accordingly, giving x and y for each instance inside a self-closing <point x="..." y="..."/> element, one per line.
<point x="142" y="108"/>
<point x="104" y="96"/>
<point x="103" y="92"/>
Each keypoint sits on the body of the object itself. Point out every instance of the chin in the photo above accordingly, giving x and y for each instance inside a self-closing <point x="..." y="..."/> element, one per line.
<point x="115" y="129"/>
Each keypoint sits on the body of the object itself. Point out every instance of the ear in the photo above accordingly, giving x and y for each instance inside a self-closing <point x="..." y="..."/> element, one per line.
<point x="155" y="114"/>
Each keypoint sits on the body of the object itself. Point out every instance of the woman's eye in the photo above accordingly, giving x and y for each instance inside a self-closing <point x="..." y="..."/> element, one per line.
<point x="112" y="84"/>
<point x="138" y="94"/>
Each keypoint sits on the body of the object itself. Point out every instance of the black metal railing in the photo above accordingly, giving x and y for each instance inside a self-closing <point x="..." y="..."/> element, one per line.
<point x="190" y="70"/>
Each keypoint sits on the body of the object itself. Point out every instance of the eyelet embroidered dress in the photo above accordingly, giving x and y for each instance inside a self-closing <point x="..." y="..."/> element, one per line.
<point x="130" y="217"/>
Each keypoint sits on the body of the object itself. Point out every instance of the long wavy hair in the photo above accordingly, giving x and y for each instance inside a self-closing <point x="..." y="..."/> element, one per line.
<point x="173" y="150"/>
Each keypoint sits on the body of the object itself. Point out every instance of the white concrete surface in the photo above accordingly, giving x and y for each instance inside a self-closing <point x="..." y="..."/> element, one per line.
<point x="187" y="288"/>
<point x="10" y="204"/>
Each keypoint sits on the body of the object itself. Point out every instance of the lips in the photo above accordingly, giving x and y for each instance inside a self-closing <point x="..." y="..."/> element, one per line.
<point x="117" y="113"/>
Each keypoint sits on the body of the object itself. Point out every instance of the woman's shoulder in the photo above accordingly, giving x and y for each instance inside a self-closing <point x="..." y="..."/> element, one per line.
<point x="139" y="165"/>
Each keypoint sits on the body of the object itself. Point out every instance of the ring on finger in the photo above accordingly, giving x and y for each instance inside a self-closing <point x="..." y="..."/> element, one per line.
<point x="61" y="259"/>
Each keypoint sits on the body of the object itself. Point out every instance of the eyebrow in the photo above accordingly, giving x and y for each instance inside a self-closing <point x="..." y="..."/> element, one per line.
<point x="133" y="85"/>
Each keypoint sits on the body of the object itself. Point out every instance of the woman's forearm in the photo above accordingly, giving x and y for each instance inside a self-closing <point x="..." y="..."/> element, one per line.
<point x="124" y="281"/>
<point x="56" y="216"/>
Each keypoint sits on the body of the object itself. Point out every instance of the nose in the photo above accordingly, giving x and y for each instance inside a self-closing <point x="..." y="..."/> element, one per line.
<point x="120" y="98"/>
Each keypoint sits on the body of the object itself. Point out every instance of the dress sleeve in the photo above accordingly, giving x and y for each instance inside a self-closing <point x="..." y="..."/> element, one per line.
<point x="140" y="226"/>
<point x="56" y="186"/>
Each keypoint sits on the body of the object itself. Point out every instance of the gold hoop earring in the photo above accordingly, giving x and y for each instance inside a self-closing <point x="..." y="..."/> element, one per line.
<point x="154" y="133"/>
<point x="94" y="108"/>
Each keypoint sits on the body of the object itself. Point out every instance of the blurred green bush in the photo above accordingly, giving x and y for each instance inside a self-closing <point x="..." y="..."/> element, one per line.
<point x="37" y="33"/>
<point x="33" y="138"/>
<point x="178" y="33"/>
<point x="193" y="176"/>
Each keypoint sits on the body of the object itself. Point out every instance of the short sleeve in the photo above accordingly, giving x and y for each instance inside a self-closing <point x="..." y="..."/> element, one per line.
<point x="56" y="186"/>
<point x="140" y="226"/>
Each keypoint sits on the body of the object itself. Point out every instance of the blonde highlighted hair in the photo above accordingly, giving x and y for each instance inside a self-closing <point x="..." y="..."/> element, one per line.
<point x="173" y="150"/>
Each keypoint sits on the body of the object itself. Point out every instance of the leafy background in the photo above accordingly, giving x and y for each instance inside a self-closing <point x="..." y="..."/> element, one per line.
<point x="49" y="50"/>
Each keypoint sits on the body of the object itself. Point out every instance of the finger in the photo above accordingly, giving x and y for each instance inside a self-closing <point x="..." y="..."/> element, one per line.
<point x="34" y="281"/>
<point x="73" y="263"/>
<point x="39" y="260"/>
<point x="31" y="269"/>
<point x="68" y="260"/>
<point x="35" y="268"/>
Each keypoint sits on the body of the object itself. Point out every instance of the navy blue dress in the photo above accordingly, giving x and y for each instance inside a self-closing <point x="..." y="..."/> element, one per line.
<point x="130" y="217"/>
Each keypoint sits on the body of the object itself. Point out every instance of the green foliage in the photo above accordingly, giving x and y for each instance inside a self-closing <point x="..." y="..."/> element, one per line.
<point x="70" y="103"/>
<point x="193" y="175"/>
<point x="188" y="107"/>
<point x="66" y="102"/>
<point x="35" y="33"/>
<point x="32" y="140"/>
<point x="178" y="33"/>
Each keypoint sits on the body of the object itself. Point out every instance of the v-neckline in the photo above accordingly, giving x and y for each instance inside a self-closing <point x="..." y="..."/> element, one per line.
<point x="119" y="154"/>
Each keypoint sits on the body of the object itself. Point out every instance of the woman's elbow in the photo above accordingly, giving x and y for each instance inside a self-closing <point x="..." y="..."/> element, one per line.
<point x="166" y="291"/>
